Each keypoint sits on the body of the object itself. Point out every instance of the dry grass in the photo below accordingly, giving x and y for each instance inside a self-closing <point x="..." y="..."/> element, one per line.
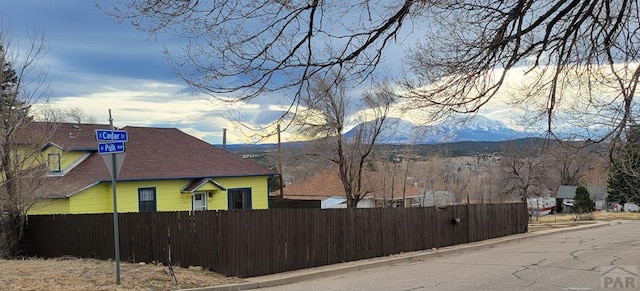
<point x="602" y="215"/>
<point x="92" y="274"/>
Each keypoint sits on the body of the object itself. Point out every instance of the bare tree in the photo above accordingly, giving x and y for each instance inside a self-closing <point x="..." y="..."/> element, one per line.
<point x="22" y="163"/>
<point x="434" y="172"/>
<point x="597" y="167"/>
<point x="386" y="178"/>
<point x="240" y="49"/>
<point x="493" y="188"/>
<point x="579" y="53"/>
<point x="567" y="160"/>
<point x="300" y="161"/>
<point x="77" y="115"/>
<point x="326" y="116"/>
<point x="522" y="170"/>
<point x="480" y="180"/>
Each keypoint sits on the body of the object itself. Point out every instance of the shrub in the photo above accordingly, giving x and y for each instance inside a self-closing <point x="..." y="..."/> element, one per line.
<point x="583" y="202"/>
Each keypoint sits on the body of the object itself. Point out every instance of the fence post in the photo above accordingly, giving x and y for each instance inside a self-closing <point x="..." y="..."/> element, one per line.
<point x="468" y="220"/>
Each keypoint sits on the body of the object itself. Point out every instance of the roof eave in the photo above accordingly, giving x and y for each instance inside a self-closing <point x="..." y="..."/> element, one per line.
<point x="197" y="187"/>
<point x="82" y="189"/>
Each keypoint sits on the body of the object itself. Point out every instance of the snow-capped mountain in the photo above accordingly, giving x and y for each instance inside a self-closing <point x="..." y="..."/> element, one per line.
<point x="477" y="128"/>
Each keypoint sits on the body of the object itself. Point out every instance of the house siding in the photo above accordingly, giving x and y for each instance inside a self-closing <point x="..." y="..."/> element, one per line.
<point x="98" y="199"/>
<point x="218" y="201"/>
<point x="208" y="187"/>
<point x="258" y="185"/>
<point x="28" y="156"/>
<point x="69" y="158"/>
<point x="51" y="206"/>
<point x="168" y="196"/>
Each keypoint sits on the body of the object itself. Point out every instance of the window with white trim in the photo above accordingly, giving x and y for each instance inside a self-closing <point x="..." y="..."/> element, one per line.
<point x="147" y="199"/>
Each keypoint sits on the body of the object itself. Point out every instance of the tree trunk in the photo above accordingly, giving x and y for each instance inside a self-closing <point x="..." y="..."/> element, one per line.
<point x="10" y="234"/>
<point x="352" y="202"/>
<point x="11" y="218"/>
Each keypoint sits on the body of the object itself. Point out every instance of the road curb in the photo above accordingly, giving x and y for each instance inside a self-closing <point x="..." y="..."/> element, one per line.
<point x="373" y="263"/>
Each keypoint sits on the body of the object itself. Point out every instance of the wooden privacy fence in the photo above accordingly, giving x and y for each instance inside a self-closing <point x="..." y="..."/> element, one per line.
<point x="248" y="243"/>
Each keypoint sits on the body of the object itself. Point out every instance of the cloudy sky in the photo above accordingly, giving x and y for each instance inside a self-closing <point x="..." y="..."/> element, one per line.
<point x="96" y="64"/>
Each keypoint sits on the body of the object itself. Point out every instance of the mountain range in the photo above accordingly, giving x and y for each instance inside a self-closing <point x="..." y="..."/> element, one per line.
<point x="458" y="137"/>
<point x="478" y="128"/>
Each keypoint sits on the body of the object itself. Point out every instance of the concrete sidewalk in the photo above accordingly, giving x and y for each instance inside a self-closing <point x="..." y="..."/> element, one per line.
<point x="342" y="268"/>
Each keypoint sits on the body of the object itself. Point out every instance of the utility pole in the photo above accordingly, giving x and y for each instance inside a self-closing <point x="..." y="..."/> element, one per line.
<point x="404" y="185"/>
<point x="280" y="165"/>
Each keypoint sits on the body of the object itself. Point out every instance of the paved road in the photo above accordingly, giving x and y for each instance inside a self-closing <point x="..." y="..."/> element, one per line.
<point x="563" y="261"/>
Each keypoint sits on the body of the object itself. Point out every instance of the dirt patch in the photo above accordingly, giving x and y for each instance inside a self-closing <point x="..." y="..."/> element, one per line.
<point x="92" y="274"/>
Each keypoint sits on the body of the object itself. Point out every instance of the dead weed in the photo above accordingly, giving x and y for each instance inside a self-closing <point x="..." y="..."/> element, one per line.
<point x="92" y="274"/>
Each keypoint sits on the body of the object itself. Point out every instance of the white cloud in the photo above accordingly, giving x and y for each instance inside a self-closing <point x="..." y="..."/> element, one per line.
<point x="153" y="103"/>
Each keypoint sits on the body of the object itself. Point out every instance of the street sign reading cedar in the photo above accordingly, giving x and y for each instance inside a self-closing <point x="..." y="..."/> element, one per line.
<point x="111" y="135"/>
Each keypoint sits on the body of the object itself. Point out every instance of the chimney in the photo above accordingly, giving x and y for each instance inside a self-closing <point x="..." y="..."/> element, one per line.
<point x="224" y="139"/>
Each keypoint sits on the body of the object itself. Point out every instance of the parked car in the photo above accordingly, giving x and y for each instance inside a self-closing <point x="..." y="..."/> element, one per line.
<point x="614" y="206"/>
<point x="569" y="203"/>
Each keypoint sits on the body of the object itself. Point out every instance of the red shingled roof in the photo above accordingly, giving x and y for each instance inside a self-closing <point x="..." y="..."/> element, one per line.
<point x="151" y="154"/>
<point x="327" y="184"/>
<point x="69" y="136"/>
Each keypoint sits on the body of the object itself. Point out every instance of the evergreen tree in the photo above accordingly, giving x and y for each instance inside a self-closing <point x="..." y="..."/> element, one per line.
<point x="14" y="112"/>
<point x="9" y="78"/>
<point x="618" y="186"/>
<point x="583" y="201"/>
<point x="624" y="174"/>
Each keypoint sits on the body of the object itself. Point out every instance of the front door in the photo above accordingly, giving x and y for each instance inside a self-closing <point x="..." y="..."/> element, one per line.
<point x="199" y="201"/>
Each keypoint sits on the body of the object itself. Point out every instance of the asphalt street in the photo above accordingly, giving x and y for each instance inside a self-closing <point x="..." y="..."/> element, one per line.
<point x="603" y="258"/>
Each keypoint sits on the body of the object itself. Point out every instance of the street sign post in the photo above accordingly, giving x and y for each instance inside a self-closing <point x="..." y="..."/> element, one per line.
<point x="111" y="147"/>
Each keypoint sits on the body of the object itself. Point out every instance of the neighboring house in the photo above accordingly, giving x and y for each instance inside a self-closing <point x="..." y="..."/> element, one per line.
<point x="327" y="187"/>
<point x="566" y="193"/>
<point x="164" y="169"/>
<point x="433" y="198"/>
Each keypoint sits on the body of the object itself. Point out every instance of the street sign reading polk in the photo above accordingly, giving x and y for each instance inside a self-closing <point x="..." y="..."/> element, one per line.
<point x="111" y="135"/>
<point x="111" y="147"/>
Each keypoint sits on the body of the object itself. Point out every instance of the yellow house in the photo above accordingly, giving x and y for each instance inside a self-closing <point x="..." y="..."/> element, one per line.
<point x="164" y="169"/>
